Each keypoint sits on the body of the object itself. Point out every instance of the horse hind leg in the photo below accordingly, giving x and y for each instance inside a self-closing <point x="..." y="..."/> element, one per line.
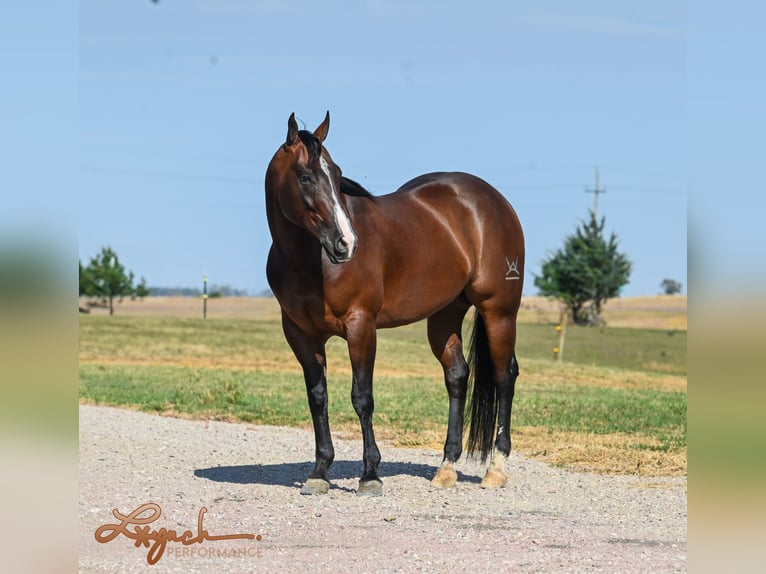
<point x="445" y="338"/>
<point x="495" y="372"/>
<point x="496" y="476"/>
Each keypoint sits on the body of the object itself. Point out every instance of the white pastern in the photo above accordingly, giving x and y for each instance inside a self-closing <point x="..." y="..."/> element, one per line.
<point x="498" y="461"/>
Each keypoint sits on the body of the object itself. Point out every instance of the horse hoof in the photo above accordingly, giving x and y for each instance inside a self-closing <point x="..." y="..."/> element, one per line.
<point x="494" y="479"/>
<point x="370" y="488"/>
<point x="445" y="477"/>
<point x="315" y="486"/>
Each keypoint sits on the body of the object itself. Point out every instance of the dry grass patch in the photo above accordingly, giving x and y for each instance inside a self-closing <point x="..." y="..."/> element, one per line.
<point x="543" y="373"/>
<point x="665" y="312"/>
<point x="617" y="453"/>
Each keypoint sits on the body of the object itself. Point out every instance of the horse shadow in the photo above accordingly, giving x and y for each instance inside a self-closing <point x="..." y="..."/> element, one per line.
<point x="293" y="474"/>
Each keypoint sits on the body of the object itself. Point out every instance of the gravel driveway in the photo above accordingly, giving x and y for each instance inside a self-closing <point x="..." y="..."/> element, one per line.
<point x="248" y="478"/>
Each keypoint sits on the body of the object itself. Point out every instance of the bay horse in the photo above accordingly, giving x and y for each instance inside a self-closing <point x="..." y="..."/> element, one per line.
<point x="345" y="263"/>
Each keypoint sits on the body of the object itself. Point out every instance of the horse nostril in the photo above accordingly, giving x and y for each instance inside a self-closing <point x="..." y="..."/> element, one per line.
<point x="341" y="246"/>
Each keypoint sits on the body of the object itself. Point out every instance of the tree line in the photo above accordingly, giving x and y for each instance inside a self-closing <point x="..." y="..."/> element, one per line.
<point x="213" y="291"/>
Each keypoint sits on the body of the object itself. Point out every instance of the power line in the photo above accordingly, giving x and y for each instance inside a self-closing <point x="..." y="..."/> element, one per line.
<point x="648" y="190"/>
<point x="168" y="175"/>
<point x="166" y="154"/>
<point x="382" y="185"/>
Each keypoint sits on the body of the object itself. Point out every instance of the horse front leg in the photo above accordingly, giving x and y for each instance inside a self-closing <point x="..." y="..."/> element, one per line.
<point x="310" y="352"/>
<point x="362" y="343"/>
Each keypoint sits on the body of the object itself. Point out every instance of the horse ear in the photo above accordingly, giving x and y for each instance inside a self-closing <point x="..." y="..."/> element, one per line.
<point x="292" y="130"/>
<point x="324" y="127"/>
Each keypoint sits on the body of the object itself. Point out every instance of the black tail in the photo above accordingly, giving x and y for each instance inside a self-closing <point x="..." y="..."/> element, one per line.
<point x="483" y="409"/>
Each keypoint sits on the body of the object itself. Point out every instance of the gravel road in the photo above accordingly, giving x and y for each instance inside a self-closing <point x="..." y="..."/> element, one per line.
<point x="248" y="479"/>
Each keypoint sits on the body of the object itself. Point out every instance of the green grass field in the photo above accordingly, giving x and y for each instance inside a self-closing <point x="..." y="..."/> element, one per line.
<point x="617" y="403"/>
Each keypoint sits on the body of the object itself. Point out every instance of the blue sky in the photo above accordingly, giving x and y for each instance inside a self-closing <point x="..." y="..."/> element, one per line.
<point x="182" y="105"/>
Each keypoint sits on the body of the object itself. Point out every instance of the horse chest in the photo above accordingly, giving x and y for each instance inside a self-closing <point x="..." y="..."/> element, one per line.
<point x="301" y="296"/>
<point x="311" y="315"/>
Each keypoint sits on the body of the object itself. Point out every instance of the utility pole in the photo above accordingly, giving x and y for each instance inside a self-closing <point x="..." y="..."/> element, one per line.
<point x="204" y="296"/>
<point x="596" y="191"/>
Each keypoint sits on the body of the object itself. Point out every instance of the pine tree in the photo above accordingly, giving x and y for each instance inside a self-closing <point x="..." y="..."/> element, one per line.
<point x="586" y="272"/>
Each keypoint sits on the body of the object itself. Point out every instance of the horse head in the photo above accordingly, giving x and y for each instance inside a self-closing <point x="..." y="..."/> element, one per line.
<point x="307" y="187"/>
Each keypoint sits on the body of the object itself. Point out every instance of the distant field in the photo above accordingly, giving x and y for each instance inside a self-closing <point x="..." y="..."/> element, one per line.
<point x="657" y="312"/>
<point x="617" y="404"/>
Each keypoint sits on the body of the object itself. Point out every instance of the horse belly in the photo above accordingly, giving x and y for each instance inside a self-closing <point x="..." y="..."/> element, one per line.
<point x="425" y="285"/>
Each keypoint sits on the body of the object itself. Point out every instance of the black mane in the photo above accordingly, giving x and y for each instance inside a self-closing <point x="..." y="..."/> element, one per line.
<point x="313" y="145"/>
<point x="350" y="187"/>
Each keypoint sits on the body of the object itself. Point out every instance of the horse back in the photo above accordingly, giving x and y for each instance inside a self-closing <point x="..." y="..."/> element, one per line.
<point x="437" y="236"/>
<point x="466" y="208"/>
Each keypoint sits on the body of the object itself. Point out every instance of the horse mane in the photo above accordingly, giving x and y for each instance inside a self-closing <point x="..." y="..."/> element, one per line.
<point x="350" y="187"/>
<point x="313" y="145"/>
<point x="314" y="148"/>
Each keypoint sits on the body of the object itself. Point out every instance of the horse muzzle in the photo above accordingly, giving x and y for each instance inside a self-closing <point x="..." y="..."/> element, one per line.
<point x="339" y="251"/>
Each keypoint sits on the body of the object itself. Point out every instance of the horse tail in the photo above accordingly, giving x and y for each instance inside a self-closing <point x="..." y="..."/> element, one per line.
<point x="482" y="412"/>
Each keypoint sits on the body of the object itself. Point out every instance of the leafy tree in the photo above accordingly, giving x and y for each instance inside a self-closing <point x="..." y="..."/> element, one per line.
<point x="86" y="283"/>
<point x="141" y="289"/>
<point x="670" y="286"/>
<point x="586" y="272"/>
<point x="106" y="278"/>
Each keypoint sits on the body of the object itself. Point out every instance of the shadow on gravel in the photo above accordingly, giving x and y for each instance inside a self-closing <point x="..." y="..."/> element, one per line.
<point x="294" y="474"/>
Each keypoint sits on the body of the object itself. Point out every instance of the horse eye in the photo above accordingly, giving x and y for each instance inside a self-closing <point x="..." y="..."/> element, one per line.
<point x="305" y="178"/>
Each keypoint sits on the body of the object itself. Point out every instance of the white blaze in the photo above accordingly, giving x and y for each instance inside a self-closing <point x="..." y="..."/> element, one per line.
<point x="341" y="219"/>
